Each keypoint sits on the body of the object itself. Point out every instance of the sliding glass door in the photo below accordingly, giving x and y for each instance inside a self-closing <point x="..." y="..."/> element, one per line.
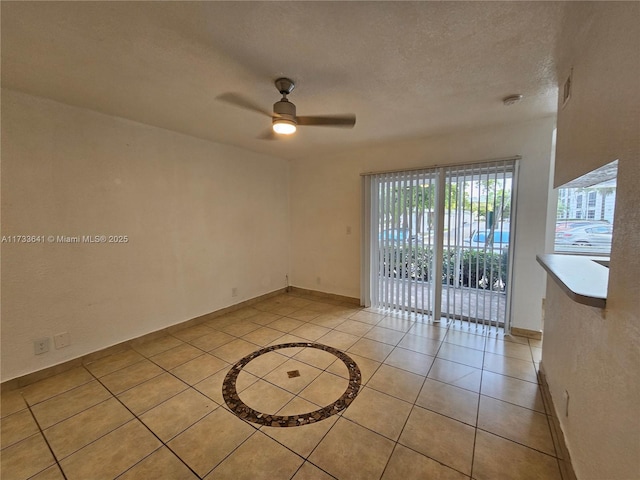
<point x="439" y="241"/>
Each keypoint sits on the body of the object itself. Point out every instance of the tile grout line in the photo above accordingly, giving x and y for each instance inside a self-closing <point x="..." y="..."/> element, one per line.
<point x="190" y="386"/>
<point x="330" y="329"/>
<point x="256" y="430"/>
<point x="116" y="396"/>
<point x="476" y="428"/>
<point x="518" y="443"/>
<point x="552" y="427"/>
<point x="426" y="376"/>
<point x="306" y="459"/>
<point x="149" y="429"/>
<point x="397" y="442"/>
<point x="78" y="413"/>
<point x="323" y="437"/>
<point x="297" y="396"/>
<point x="422" y="455"/>
<point x="475" y="431"/>
<point x="63" y="393"/>
<point x="55" y="458"/>
<point x="21" y="390"/>
<point x="553" y="432"/>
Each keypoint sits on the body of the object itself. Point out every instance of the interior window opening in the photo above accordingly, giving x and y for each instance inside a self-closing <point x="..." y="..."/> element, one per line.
<point x="585" y="210"/>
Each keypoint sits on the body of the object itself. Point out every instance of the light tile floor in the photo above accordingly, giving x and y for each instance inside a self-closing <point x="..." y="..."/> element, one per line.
<point x="437" y="401"/>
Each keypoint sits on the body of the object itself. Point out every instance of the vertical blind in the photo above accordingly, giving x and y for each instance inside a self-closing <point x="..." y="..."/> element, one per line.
<point x="438" y="241"/>
<point x="401" y="233"/>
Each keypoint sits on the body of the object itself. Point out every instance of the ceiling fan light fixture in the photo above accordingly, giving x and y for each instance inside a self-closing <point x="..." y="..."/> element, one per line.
<point x="284" y="120"/>
<point x="283" y="126"/>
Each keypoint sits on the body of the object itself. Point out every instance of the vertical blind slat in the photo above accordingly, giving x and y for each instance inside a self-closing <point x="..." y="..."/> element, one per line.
<point x="476" y="202"/>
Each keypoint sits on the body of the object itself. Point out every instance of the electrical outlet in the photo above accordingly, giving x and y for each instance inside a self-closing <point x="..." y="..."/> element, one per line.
<point x="61" y="340"/>
<point x="41" y="346"/>
<point x="234" y="292"/>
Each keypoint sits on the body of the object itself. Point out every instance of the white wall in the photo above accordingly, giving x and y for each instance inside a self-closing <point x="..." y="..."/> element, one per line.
<point x="201" y="218"/>
<point x="325" y="200"/>
<point x="599" y="42"/>
<point x="595" y="354"/>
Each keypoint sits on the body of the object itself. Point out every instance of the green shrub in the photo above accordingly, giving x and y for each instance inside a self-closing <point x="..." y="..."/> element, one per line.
<point x="465" y="267"/>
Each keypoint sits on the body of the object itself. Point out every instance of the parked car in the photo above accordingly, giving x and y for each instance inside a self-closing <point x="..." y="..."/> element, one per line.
<point x="479" y="240"/>
<point x="396" y="236"/>
<point x="562" y="225"/>
<point x="588" y="235"/>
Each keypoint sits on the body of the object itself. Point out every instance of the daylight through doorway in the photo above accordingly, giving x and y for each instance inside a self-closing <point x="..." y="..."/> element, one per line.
<point x="439" y="241"/>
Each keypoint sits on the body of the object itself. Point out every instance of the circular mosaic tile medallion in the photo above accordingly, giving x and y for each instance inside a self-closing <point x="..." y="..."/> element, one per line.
<point x="245" y="412"/>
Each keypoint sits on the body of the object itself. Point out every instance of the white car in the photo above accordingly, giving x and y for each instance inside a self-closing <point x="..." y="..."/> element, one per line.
<point x="586" y="236"/>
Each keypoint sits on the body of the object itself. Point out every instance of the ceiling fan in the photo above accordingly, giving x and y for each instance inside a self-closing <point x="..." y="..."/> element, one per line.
<point x="284" y="119"/>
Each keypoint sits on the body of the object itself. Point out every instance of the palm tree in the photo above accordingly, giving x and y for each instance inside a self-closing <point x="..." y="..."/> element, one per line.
<point x="605" y="192"/>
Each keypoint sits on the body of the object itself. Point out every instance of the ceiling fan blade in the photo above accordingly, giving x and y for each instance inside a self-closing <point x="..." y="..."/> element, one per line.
<point x="344" y="121"/>
<point x="238" y="100"/>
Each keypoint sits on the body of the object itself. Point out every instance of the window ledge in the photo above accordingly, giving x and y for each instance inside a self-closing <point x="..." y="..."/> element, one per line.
<point x="581" y="278"/>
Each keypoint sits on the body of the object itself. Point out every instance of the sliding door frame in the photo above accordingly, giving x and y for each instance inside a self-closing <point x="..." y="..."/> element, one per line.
<point x="370" y="246"/>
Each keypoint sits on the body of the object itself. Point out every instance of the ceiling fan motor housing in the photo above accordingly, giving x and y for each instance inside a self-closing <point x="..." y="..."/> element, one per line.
<point x="285" y="110"/>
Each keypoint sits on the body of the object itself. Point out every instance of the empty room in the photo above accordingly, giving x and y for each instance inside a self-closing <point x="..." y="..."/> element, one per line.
<point x="320" y="240"/>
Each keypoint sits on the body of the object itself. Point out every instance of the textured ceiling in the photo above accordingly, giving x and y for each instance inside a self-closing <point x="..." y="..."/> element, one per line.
<point x="406" y="69"/>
